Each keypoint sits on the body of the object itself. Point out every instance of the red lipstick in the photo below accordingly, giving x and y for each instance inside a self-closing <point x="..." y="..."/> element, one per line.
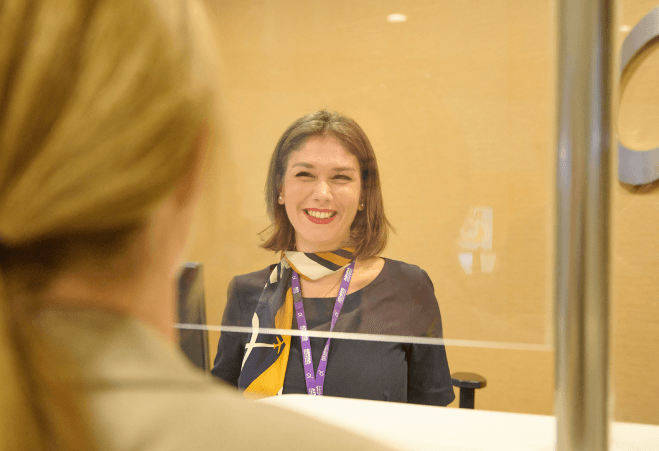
<point x="320" y="220"/>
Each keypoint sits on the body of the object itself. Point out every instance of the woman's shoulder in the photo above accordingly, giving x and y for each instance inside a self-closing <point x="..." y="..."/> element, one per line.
<point x="407" y="279"/>
<point x="256" y="279"/>
<point x="398" y="278"/>
<point x="190" y="409"/>
<point x="392" y="275"/>
<point x="406" y="271"/>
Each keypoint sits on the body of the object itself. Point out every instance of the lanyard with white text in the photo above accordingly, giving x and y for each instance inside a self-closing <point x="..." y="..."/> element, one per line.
<point x="315" y="384"/>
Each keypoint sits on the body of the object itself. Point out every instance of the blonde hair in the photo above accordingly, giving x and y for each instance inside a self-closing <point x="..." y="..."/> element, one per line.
<point x="100" y="106"/>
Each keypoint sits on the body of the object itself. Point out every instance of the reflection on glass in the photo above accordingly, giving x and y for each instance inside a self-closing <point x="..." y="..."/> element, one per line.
<point x="476" y="236"/>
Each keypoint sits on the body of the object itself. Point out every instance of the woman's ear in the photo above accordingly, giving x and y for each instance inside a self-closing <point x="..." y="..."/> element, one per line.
<point x="280" y="199"/>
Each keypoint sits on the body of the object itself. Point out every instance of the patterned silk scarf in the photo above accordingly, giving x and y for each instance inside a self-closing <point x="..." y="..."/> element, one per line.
<point x="266" y="355"/>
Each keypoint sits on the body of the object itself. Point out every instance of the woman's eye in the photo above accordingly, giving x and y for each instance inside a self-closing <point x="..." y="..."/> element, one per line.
<point x="342" y="177"/>
<point x="303" y="174"/>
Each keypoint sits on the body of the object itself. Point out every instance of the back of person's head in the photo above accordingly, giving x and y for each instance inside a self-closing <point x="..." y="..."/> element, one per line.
<point x="100" y="104"/>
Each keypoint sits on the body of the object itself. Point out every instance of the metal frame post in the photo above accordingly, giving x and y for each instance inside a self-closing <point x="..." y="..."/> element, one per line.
<point x="585" y="73"/>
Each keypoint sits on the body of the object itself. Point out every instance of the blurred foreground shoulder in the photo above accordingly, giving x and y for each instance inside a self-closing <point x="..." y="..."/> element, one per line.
<point x="143" y="394"/>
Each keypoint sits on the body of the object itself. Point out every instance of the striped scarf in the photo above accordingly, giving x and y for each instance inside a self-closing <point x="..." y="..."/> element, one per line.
<point x="266" y="355"/>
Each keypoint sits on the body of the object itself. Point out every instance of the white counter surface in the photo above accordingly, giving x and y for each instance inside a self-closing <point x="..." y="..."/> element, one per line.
<point x="415" y="427"/>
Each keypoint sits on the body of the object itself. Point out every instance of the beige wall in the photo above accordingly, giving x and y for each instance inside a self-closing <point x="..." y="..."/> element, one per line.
<point x="635" y="241"/>
<point x="458" y="102"/>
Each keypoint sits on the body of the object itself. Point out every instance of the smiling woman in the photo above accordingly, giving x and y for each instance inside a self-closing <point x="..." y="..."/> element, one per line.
<point x="321" y="194"/>
<point x="324" y="198"/>
<point x="353" y="159"/>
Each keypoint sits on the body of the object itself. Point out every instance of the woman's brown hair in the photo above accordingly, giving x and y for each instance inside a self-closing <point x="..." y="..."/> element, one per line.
<point x="370" y="229"/>
<point x="101" y="102"/>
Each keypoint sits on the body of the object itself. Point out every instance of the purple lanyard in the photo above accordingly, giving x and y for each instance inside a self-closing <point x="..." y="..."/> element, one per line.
<point x="315" y="384"/>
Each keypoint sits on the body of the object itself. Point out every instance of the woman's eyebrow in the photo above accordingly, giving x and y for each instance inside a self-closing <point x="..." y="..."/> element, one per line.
<point x="304" y="165"/>
<point x="336" y="169"/>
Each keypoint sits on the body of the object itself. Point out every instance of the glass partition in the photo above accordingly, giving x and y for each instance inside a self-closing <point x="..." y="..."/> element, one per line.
<point x="458" y="101"/>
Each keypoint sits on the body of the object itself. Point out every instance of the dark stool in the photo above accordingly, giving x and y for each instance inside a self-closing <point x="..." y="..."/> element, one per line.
<point x="467" y="382"/>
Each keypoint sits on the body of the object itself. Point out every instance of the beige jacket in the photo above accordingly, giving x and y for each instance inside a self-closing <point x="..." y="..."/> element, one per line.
<point x="144" y="395"/>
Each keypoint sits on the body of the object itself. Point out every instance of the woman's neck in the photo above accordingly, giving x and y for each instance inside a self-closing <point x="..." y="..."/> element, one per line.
<point x="365" y="272"/>
<point x="150" y="298"/>
<point x="327" y="286"/>
<point x="310" y="247"/>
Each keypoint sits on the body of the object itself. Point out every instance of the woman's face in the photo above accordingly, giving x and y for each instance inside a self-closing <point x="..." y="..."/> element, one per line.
<point x="321" y="193"/>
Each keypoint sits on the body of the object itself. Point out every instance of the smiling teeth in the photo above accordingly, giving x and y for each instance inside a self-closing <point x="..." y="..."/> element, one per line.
<point x="320" y="215"/>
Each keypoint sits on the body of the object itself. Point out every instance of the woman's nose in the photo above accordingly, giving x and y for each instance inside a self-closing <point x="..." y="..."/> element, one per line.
<point x="322" y="190"/>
